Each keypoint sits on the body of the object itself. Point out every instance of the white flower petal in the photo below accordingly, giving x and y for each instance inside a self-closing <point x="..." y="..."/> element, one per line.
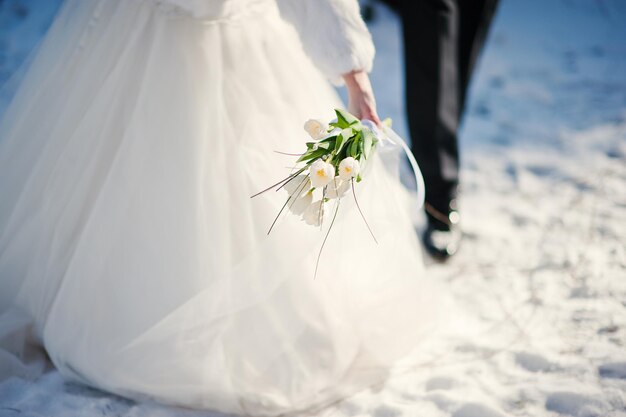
<point x="321" y="173"/>
<point x="301" y="184"/>
<point x="349" y="168"/>
<point x="312" y="214"/>
<point x="337" y="188"/>
<point x="315" y="128"/>
<point x="298" y="204"/>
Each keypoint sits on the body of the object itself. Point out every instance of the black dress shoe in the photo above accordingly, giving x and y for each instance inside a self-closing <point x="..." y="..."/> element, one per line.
<point x="443" y="233"/>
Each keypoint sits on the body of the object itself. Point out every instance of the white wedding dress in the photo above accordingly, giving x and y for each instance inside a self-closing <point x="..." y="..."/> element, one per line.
<point x="130" y="248"/>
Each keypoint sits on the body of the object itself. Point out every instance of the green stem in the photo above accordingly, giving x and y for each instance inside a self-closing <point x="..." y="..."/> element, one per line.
<point x="298" y="190"/>
<point x="359" y="207"/>
<point x="319" y="255"/>
<point x="285" y="180"/>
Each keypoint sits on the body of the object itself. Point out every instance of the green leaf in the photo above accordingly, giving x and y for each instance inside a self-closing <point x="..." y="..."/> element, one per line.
<point x="343" y="138"/>
<point x="342" y="154"/>
<point x="362" y="162"/>
<point x="354" y="147"/>
<point x="312" y="155"/>
<point x="345" y="119"/>
<point x="326" y="143"/>
<point x="341" y="122"/>
<point x="339" y="143"/>
<point x="368" y="141"/>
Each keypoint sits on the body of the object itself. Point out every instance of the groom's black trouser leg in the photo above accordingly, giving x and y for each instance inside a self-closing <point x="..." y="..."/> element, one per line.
<point x="476" y="17"/>
<point x="442" y="39"/>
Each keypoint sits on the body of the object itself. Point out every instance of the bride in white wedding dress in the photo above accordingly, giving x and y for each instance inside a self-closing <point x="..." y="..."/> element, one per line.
<point x="129" y="246"/>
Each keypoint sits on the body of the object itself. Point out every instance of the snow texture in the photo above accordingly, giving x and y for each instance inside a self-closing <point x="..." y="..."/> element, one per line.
<point x="542" y="266"/>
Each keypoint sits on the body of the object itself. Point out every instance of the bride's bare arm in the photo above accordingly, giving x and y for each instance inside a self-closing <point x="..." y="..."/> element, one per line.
<point x="361" y="100"/>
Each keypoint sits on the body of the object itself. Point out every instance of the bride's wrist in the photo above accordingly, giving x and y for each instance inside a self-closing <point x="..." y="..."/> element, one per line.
<point x="356" y="81"/>
<point x="360" y="95"/>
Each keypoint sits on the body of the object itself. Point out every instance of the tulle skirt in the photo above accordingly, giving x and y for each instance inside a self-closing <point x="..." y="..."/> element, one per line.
<point x="129" y="241"/>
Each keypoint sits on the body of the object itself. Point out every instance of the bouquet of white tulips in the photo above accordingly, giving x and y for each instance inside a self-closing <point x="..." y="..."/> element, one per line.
<point x="331" y="165"/>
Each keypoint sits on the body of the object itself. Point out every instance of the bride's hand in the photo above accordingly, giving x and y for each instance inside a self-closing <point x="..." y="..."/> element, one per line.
<point x="361" y="101"/>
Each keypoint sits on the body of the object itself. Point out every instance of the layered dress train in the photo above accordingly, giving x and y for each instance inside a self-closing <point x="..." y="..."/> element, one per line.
<point x="130" y="248"/>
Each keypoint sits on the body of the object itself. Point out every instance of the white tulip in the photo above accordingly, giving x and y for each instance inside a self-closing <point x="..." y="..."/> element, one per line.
<point x="297" y="205"/>
<point x="337" y="188"/>
<point x="315" y="128"/>
<point x="300" y="195"/>
<point x="314" y="214"/>
<point x="321" y="173"/>
<point x="349" y="168"/>
<point x="298" y="183"/>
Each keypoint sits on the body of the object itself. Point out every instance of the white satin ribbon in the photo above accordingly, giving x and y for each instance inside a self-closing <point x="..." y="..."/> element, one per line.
<point x="387" y="136"/>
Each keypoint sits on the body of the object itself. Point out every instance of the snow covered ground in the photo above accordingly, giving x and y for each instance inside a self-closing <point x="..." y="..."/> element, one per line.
<point x="542" y="270"/>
